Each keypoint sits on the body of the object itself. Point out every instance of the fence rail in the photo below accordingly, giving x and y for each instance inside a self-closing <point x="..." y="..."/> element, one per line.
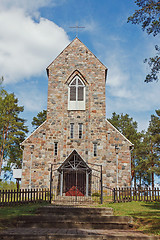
<point x="136" y="194"/>
<point x="9" y="197"/>
<point x="13" y="197"/>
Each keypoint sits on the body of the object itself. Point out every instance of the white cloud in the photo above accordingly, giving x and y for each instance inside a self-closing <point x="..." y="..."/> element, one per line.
<point x="118" y="79"/>
<point x="126" y="91"/>
<point x="27" y="47"/>
<point x="90" y="25"/>
<point x="28" y="5"/>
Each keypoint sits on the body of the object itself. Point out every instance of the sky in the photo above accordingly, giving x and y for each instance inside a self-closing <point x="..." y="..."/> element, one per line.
<point x="34" y="32"/>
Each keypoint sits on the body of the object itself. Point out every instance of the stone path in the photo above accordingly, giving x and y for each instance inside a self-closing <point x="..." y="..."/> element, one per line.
<point x="55" y="233"/>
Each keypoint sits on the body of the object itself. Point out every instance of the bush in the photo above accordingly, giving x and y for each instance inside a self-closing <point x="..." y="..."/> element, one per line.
<point x="4" y="185"/>
<point x="96" y="194"/>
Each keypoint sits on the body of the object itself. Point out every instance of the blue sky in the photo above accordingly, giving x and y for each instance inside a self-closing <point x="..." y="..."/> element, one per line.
<point x="34" y="32"/>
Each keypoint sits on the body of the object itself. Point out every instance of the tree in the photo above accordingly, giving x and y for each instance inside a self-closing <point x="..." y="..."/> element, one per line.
<point x="154" y="145"/>
<point x="39" y="119"/>
<point x="12" y="131"/>
<point x="1" y="87"/>
<point x="125" y="125"/>
<point x="148" y="15"/>
<point x="141" y="160"/>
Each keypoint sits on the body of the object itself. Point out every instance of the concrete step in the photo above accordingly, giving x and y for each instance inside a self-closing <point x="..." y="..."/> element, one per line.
<point x="73" y="223"/>
<point x="72" y="234"/>
<point x="76" y="218"/>
<point x="70" y="224"/>
<point x="86" y="222"/>
<point x="74" y="199"/>
<point x="69" y="210"/>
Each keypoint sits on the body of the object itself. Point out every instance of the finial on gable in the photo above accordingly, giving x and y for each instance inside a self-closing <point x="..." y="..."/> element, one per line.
<point x="77" y="28"/>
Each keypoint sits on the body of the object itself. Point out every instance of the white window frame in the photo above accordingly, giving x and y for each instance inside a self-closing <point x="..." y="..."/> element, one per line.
<point x="80" y="130"/>
<point x="71" y="130"/>
<point x="77" y="105"/>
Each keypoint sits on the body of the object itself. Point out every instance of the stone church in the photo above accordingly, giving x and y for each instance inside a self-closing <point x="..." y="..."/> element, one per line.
<point x="76" y="134"/>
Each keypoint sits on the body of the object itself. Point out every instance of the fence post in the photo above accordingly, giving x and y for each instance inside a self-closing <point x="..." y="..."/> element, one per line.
<point x="50" y="200"/>
<point x="101" y="186"/>
<point x="130" y="194"/>
<point x="114" y="195"/>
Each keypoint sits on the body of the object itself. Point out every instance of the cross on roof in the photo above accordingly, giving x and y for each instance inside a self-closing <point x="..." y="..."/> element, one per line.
<point x="77" y="27"/>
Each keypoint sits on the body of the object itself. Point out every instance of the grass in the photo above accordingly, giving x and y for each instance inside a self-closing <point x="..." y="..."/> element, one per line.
<point x="8" y="213"/>
<point x="146" y="216"/>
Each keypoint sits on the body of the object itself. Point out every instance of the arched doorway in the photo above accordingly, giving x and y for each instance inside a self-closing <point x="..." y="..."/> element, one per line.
<point x="75" y="176"/>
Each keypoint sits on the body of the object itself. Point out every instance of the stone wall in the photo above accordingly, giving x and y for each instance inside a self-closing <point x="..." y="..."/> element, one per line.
<point x="76" y="59"/>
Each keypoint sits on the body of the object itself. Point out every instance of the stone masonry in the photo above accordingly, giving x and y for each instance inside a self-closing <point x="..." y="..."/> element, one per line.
<point x="112" y="147"/>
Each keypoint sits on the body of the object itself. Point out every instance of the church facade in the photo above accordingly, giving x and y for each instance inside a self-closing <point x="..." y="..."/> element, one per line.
<point x="76" y="130"/>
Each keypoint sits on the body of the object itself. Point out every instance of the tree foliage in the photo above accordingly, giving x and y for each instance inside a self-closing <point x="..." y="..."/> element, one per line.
<point x="154" y="64"/>
<point x="5" y="185"/>
<point x="39" y="119"/>
<point x="154" y="145"/>
<point x="125" y="125"/>
<point x="141" y="154"/>
<point x="148" y="16"/>
<point x="12" y="131"/>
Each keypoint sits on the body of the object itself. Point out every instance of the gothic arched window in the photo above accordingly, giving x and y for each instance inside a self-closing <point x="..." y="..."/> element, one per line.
<point x="76" y="94"/>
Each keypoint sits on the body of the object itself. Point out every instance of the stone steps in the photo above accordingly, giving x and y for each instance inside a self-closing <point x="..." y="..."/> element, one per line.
<point x="82" y="218"/>
<point x="76" y="210"/>
<point x="72" y="234"/>
<point x="69" y="223"/>
<point x="73" y="199"/>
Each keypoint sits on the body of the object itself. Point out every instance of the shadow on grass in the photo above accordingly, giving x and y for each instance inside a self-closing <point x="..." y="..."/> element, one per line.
<point x="148" y="221"/>
<point x="153" y="205"/>
<point x="148" y="225"/>
<point x="153" y="214"/>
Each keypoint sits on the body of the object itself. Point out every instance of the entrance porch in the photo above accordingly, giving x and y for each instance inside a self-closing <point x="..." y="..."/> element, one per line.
<point x="75" y="176"/>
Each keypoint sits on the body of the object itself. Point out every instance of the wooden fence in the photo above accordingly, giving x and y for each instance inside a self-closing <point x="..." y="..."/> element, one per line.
<point x="136" y="194"/>
<point x="11" y="197"/>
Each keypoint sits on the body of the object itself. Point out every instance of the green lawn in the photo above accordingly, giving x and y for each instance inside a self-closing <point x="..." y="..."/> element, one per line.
<point x="145" y="215"/>
<point x="8" y="213"/>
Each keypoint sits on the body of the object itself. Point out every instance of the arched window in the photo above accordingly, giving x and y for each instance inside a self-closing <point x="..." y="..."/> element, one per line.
<point x="76" y="94"/>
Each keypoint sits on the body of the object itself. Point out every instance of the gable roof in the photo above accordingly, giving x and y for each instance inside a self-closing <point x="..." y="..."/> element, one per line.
<point x="81" y="164"/>
<point x="70" y="44"/>
<point x="131" y="144"/>
<point x="34" y="132"/>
